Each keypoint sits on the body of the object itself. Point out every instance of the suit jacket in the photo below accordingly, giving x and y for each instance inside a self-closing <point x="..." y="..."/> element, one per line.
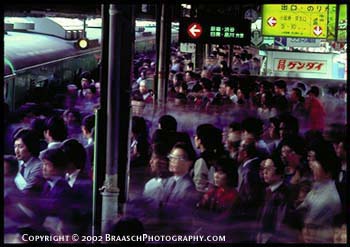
<point x="250" y="190"/>
<point x="184" y="192"/>
<point x="89" y="149"/>
<point x="272" y="214"/>
<point x="82" y="194"/>
<point x="33" y="175"/>
<point x="57" y="200"/>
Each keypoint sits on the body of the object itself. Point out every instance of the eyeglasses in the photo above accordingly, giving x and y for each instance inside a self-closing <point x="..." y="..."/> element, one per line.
<point x="174" y="158"/>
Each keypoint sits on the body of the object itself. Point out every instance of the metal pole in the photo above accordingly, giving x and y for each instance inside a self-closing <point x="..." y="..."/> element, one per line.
<point x="118" y="109"/>
<point x="100" y="128"/>
<point x="163" y="56"/>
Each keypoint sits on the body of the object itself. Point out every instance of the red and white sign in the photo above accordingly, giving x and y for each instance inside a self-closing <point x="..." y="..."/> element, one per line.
<point x="272" y="21"/>
<point x="318" y="30"/>
<point x="194" y="30"/>
<point x="300" y="65"/>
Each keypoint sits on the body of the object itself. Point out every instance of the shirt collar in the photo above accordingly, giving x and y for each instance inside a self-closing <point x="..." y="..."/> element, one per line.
<point x="53" y="180"/>
<point x="275" y="186"/>
<point x="52" y="144"/>
<point x="72" y="177"/>
<point x="25" y="164"/>
<point x="247" y="161"/>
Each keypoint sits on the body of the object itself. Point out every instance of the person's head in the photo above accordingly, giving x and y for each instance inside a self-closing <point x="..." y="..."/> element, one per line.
<point x="314" y="92"/>
<point x="208" y="137"/>
<point x="274" y="128"/>
<point x="54" y="163"/>
<point x="88" y="125"/>
<point x="85" y="83"/>
<point x="159" y="163"/>
<point x="178" y="77"/>
<point x="143" y="87"/>
<point x="325" y="163"/>
<point x="90" y="92"/>
<point x="38" y="125"/>
<point x="296" y="95"/>
<point x="273" y="170"/>
<point x="71" y="116"/>
<point x="26" y="144"/>
<point x="230" y="87"/>
<point x="293" y="149"/>
<point x="190" y="66"/>
<point x="289" y="126"/>
<point x="10" y="165"/>
<point x="280" y="87"/>
<point x="55" y="129"/>
<point x="341" y="149"/>
<point x="139" y="126"/>
<point x="180" y="159"/>
<point x="75" y="153"/>
<point x="246" y="150"/>
<point x="225" y="174"/>
<point x="168" y="123"/>
<point x="252" y="126"/>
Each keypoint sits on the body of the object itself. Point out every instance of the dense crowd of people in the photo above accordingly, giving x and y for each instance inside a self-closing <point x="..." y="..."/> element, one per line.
<point x="261" y="170"/>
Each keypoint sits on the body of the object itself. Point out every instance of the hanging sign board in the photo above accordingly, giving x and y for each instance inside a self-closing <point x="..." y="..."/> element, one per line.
<point x="295" y="20"/>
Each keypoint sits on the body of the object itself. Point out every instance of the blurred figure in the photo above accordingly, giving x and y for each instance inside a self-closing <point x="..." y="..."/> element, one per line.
<point x="159" y="167"/>
<point x="315" y="109"/>
<point x="322" y="203"/>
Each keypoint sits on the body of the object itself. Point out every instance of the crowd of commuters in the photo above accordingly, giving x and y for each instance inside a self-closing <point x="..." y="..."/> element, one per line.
<point x="285" y="184"/>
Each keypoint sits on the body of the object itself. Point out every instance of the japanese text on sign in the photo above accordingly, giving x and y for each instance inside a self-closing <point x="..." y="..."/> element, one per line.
<point x="300" y="65"/>
<point x="295" y="20"/>
<point x="226" y="32"/>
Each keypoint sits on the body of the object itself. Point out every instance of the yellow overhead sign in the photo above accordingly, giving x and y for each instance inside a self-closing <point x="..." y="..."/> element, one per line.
<point x="295" y="20"/>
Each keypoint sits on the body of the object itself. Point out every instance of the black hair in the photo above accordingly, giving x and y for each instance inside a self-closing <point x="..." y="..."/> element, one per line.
<point x="296" y="143"/>
<point x="227" y="166"/>
<point x="298" y="92"/>
<point x="327" y="157"/>
<point x="210" y="136"/>
<point x="57" y="128"/>
<point x="57" y="157"/>
<point x="31" y="139"/>
<point x="253" y="125"/>
<point x="291" y="124"/>
<point x="281" y="84"/>
<point x="190" y="154"/>
<point x="278" y="164"/>
<point x="75" y="153"/>
<point x="168" y="123"/>
<point x="235" y="126"/>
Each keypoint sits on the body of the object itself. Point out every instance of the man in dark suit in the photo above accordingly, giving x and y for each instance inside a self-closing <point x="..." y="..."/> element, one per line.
<point x="250" y="187"/>
<point x="80" y="182"/>
<point x="179" y="195"/>
<point x="57" y="193"/>
<point x="277" y="201"/>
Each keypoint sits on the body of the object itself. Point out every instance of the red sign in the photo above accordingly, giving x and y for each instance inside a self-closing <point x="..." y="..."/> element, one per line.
<point x="317" y="30"/>
<point x="194" y="30"/>
<point x="300" y="65"/>
<point x="272" y="21"/>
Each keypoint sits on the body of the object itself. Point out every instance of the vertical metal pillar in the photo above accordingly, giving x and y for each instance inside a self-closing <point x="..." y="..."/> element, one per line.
<point x="164" y="54"/>
<point x="118" y="110"/>
<point x="99" y="169"/>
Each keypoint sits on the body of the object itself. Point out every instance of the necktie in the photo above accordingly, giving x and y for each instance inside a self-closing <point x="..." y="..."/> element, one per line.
<point x="21" y="170"/>
<point x="170" y="191"/>
<point x="268" y="193"/>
